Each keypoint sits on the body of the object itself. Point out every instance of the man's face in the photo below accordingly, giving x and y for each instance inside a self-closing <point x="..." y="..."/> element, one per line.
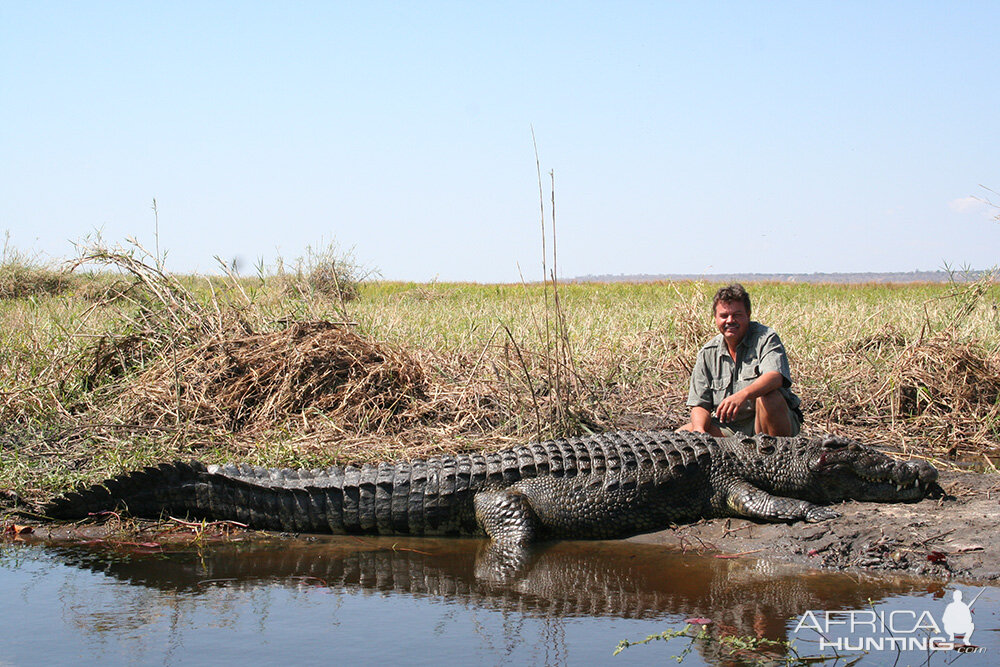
<point x="732" y="321"/>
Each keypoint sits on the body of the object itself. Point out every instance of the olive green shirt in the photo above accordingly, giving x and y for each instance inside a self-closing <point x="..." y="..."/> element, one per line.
<point x="716" y="375"/>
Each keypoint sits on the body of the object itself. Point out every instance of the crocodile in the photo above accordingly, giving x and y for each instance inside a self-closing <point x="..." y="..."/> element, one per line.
<point x="603" y="486"/>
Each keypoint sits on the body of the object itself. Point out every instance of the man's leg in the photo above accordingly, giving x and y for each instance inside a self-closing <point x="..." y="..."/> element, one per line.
<point x="774" y="417"/>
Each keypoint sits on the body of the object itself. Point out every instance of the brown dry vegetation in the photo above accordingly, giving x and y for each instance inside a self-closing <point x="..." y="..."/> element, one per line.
<point x="284" y="372"/>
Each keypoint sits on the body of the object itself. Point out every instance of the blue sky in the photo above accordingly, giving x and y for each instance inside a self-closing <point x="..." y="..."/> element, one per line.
<point x="684" y="137"/>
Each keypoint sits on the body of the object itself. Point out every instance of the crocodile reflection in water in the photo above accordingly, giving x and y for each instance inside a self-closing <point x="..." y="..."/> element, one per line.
<point x="557" y="581"/>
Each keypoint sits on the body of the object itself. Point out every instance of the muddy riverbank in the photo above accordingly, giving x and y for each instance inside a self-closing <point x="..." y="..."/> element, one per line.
<point x="955" y="537"/>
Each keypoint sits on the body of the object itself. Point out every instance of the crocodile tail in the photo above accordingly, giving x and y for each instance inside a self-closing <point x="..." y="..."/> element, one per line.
<point x="150" y="493"/>
<point x="386" y="499"/>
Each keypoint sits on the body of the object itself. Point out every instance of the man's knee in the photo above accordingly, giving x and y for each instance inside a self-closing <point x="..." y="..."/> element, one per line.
<point x="772" y="401"/>
<point x="774" y="416"/>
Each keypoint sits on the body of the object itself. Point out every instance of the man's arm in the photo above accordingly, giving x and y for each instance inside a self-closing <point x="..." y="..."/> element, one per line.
<point x="700" y="399"/>
<point x="772" y="357"/>
<point x="701" y="422"/>
<point x="765" y="384"/>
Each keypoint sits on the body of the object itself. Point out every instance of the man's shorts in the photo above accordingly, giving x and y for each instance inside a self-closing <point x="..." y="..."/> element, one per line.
<point x="746" y="426"/>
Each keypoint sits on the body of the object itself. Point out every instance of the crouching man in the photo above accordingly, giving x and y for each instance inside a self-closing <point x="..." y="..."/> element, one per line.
<point x="742" y="376"/>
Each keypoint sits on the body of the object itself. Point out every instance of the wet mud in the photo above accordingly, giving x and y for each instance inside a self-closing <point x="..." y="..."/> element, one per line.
<point x="955" y="537"/>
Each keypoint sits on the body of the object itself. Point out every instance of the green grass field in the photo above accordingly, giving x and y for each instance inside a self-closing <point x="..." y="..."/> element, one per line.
<point x="131" y="366"/>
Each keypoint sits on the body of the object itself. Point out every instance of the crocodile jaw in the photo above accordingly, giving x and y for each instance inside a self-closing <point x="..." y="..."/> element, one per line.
<point x="855" y="473"/>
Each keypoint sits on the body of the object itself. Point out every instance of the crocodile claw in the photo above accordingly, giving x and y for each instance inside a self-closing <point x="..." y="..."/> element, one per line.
<point x="818" y="513"/>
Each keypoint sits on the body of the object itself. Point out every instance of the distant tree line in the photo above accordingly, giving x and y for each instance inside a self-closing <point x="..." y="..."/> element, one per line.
<point x="846" y="278"/>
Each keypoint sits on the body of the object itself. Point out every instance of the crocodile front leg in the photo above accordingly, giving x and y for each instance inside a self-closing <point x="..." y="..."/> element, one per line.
<point x="747" y="500"/>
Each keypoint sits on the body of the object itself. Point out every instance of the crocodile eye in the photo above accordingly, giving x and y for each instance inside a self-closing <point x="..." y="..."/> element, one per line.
<point x="835" y="442"/>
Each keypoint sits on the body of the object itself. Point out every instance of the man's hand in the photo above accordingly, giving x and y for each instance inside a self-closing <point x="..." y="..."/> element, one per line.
<point x="726" y="410"/>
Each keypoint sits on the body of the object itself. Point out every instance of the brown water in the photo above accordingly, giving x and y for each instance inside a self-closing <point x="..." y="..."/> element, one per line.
<point x="442" y="601"/>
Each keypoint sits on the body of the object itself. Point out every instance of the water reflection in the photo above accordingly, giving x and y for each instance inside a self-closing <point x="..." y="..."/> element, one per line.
<point x="560" y="581"/>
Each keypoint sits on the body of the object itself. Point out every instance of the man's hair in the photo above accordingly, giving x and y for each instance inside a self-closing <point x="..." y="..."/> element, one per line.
<point x="734" y="292"/>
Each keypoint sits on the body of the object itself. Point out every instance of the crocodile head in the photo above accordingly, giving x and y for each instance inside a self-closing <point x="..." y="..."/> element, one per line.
<point x="842" y="469"/>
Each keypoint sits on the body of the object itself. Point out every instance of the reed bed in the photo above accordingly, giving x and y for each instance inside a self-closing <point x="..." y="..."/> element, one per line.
<point x="133" y="365"/>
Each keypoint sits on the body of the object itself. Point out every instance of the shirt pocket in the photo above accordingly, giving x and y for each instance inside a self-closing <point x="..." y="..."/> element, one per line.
<point x="747" y="376"/>
<point x="748" y="373"/>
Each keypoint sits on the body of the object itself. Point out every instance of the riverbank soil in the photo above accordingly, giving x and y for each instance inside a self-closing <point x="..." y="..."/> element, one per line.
<point x="954" y="537"/>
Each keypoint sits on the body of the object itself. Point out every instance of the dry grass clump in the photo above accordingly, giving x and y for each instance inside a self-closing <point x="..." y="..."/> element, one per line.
<point x="327" y="388"/>
<point x="112" y="356"/>
<point x="214" y="369"/>
<point x="888" y="339"/>
<point x="244" y="382"/>
<point x="17" y="281"/>
<point x="328" y="272"/>
<point x="24" y="276"/>
<point x="939" y="394"/>
<point x="947" y="388"/>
